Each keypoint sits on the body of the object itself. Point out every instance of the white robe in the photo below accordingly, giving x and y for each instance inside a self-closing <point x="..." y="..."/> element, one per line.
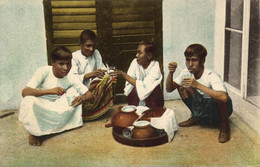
<point x="82" y="65"/>
<point x="51" y="113"/>
<point x="146" y="79"/>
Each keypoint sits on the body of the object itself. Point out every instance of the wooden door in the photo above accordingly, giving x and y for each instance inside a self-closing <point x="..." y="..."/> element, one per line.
<point x="120" y="25"/>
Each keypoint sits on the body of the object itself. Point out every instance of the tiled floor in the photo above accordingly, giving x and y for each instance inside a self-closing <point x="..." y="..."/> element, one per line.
<point x="93" y="145"/>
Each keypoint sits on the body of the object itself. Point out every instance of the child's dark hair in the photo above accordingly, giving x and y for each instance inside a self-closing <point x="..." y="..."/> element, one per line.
<point x="150" y="47"/>
<point x="61" y="53"/>
<point x="87" y="35"/>
<point x="196" y="50"/>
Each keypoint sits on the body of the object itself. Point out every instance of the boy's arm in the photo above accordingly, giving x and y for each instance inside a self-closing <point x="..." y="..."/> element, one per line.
<point x="27" y="91"/>
<point x="97" y="73"/>
<point x="170" y="84"/>
<point x="88" y="96"/>
<point x="127" y="77"/>
<point x="217" y="95"/>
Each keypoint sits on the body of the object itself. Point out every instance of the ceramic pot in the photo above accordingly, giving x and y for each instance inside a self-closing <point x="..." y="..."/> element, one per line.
<point x="123" y="118"/>
<point x="143" y="130"/>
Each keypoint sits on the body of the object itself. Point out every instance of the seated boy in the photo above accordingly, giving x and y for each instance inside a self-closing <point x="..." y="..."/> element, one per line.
<point x="204" y="94"/>
<point x="143" y="78"/>
<point x="52" y="99"/>
<point x="87" y="65"/>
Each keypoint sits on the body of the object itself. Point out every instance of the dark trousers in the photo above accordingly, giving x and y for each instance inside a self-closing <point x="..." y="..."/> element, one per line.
<point x="154" y="100"/>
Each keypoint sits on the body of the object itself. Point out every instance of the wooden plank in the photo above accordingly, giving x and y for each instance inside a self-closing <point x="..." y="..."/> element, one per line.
<point x="129" y="11"/>
<point x="104" y="29"/>
<point x="132" y="38"/>
<point x="72" y="48"/>
<point x="125" y="46"/>
<point x="134" y="17"/>
<point x="73" y="26"/>
<point x="133" y="31"/>
<point x="124" y="59"/>
<point x="74" y="19"/>
<point x="131" y="3"/>
<point x="158" y="33"/>
<point x="72" y="4"/>
<point x="68" y="33"/>
<point x="136" y="24"/>
<point x="48" y="27"/>
<point x="73" y="11"/>
<point x="64" y="41"/>
<point x="129" y="52"/>
<point x="71" y="0"/>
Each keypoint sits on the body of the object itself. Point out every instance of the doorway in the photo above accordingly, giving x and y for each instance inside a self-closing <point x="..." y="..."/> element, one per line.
<point x="119" y="24"/>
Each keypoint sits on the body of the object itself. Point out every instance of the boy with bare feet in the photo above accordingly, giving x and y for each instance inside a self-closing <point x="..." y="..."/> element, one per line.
<point x="52" y="99"/>
<point x="203" y="92"/>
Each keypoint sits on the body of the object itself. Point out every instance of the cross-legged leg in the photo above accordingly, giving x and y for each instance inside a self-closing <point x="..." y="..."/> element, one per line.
<point x="132" y="98"/>
<point x="155" y="99"/>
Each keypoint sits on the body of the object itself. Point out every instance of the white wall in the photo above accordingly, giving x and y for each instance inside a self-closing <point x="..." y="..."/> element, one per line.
<point x="186" y="22"/>
<point x="22" y="45"/>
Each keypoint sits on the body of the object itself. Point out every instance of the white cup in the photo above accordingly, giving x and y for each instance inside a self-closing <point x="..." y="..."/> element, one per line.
<point x="111" y="71"/>
<point x="187" y="74"/>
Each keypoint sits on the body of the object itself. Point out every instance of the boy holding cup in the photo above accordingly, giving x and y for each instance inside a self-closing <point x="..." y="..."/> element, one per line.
<point x="204" y="94"/>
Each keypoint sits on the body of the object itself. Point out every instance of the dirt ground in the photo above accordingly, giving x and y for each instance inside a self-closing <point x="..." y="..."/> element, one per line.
<point x="93" y="145"/>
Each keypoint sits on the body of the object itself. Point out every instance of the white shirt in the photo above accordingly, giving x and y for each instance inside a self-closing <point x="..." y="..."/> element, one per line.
<point x="146" y="79"/>
<point x="209" y="79"/>
<point x="44" y="78"/>
<point x="82" y="65"/>
<point x="51" y="113"/>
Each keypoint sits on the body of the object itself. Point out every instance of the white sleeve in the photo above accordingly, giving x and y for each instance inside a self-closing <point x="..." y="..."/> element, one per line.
<point x="216" y="82"/>
<point x="99" y="62"/>
<point x="131" y="72"/>
<point x="74" y="70"/>
<point x="38" y="77"/>
<point x="146" y="86"/>
<point x="78" y="85"/>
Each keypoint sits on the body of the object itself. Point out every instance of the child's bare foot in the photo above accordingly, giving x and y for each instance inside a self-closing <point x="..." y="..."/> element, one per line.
<point x="34" y="140"/>
<point x="108" y="124"/>
<point x="224" y="133"/>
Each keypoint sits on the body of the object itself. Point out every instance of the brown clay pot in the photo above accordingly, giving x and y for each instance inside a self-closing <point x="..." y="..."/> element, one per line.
<point x="125" y="117"/>
<point x="143" y="130"/>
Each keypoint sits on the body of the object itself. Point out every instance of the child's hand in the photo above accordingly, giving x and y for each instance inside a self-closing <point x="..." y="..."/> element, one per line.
<point x="172" y="67"/>
<point x="113" y="74"/>
<point x="99" y="73"/>
<point x="58" y="91"/>
<point x="120" y="73"/>
<point x="190" y="82"/>
<point x="77" y="101"/>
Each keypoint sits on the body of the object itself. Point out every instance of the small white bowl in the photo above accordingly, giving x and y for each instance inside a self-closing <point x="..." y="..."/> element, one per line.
<point x="129" y="108"/>
<point x="141" y="123"/>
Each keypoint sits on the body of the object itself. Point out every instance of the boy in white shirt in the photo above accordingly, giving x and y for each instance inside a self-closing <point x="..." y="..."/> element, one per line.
<point x="52" y="98"/>
<point x="143" y="78"/>
<point x="204" y="94"/>
<point x="87" y="65"/>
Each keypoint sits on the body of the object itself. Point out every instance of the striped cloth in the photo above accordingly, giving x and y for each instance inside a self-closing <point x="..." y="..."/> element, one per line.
<point x="104" y="94"/>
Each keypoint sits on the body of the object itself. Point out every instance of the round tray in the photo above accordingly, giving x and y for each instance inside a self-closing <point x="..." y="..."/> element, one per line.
<point x="160" y="139"/>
